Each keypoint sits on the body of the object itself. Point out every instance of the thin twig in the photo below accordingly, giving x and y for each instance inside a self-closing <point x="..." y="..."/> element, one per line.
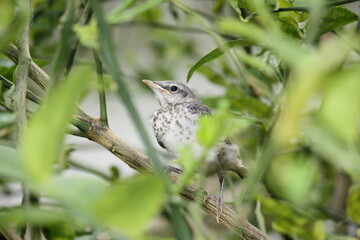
<point x="29" y="94"/>
<point x="101" y="89"/>
<point x="62" y="55"/>
<point x="85" y="18"/>
<point x="22" y="73"/>
<point x="170" y="27"/>
<point x="105" y="137"/>
<point x="90" y="170"/>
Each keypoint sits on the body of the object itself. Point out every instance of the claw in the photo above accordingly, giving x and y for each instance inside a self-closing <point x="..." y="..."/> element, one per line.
<point x="219" y="204"/>
<point x="219" y="198"/>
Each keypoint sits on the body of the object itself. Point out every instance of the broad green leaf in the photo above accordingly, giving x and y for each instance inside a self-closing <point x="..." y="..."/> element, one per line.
<point x="305" y="84"/>
<point x="42" y="141"/>
<point x="24" y="215"/>
<point x="10" y="163"/>
<point x="339" y="237"/>
<point x="247" y="4"/>
<point x="7" y="8"/>
<point x="291" y="222"/>
<point x="240" y="102"/>
<point x="289" y="25"/>
<point x="292" y="177"/>
<point x="10" y="26"/>
<point x="213" y="76"/>
<point x="189" y="164"/>
<point x="87" y="34"/>
<point x="6" y="119"/>
<point x="129" y="204"/>
<point x="353" y="203"/>
<point x="335" y="18"/>
<point x="121" y="16"/>
<point x="219" y="125"/>
<point x="81" y="198"/>
<point x="330" y="148"/>
<point x="216" y="53"/>
<point x="340" y="110"/>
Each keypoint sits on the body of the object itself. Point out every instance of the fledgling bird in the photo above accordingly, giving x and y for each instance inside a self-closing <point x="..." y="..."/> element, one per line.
<point x="175" y="125"/>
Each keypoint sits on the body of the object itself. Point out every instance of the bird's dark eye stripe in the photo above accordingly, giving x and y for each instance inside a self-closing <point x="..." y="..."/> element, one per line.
<point x="174" y="88"/>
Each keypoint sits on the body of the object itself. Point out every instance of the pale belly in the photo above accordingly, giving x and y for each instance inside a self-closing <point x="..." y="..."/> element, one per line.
<point x="175" y="133"/>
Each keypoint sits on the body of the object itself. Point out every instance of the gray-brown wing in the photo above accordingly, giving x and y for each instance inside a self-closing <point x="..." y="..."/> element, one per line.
<point x="198" y="108"/>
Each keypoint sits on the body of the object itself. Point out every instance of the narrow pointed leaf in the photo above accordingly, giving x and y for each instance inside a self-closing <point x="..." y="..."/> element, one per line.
<point x="216" y="53"/>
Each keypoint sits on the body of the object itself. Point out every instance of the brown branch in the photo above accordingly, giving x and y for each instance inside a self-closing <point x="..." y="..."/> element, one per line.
<point x="10" y="234"/>
<point x="138" y="161"/>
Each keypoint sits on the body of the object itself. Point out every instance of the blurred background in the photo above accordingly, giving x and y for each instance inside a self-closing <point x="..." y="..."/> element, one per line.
<point x="291" y="78"/>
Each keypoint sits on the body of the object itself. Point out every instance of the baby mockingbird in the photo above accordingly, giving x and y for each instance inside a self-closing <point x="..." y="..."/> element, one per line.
<point x="175" y="125"/>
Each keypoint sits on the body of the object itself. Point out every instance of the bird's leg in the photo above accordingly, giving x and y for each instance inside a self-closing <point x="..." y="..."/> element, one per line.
<point x="220" y="197"/>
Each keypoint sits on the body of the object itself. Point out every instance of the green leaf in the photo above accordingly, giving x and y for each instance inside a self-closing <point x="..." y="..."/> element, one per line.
<point x="252" y="6"/>
<point x="7" y="7"/>
<point x="291" y="222"/>
<point x="216" y="126"/>
<point x="10" y="25"/>
<point x="6" y="119"/>
<point x="117" y="16"/>
<point x="353" y="203"/>
<point x="336" y="17"/>
<point x="189" y="165"/>
<point x="287" y="49"/>
<point x="10" y="163"/>
<point x="129" y="205"/>
<point x="289" y="25"/>
<point x="42" y="141"/>
<point x="247" y="4"/>
<point x="340" y="110"/>
<point x="79" y="199"/>
<point x="87" y="34"/>
<point x="216" y="53"/>
<point x="292" y="177"/>
<point x="24" y="215"/>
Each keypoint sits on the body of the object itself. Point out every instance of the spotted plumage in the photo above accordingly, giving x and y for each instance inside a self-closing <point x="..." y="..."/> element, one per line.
<point x="175" y="125"/>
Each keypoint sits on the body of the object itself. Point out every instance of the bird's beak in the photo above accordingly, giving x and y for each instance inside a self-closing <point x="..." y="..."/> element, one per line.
<point x="155" y="87"/>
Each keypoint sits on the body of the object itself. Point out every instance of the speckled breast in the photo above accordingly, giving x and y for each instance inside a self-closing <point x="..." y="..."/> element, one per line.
<point x="174" y="127"/>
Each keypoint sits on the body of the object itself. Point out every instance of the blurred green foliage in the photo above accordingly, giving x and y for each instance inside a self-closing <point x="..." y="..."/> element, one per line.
<point x="290" y="83"/>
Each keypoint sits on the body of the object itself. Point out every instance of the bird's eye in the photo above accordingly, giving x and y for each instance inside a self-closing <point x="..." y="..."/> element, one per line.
<point x="174" y="88"/>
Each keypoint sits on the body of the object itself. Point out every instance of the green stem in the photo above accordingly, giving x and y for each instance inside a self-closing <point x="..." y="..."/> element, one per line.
<point x="29" y="95"/>
<point x="22" y="72"/>
<point x="83" y="21"/>
<point x="62" y="55"/>
<point x="101" y="89"/>
<point x="90" y="170"/>
<point x="107" y="49"/>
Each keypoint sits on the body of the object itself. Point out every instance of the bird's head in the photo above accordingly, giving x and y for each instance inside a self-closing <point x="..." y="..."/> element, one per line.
<point x="170" y="92"/>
